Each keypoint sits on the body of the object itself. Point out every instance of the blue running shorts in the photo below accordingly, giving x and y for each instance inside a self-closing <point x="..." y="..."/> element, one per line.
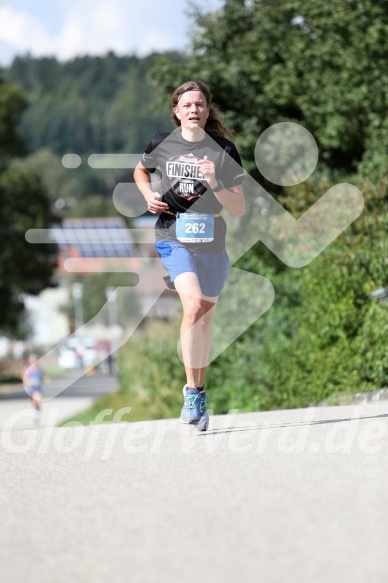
<point x="211" y="268"/>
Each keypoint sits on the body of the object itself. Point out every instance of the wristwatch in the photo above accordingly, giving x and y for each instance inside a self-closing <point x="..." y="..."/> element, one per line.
<point x="220" y="186"/>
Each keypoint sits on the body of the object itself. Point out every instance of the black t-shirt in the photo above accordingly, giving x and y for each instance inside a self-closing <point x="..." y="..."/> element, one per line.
<point x="184" y="187"/>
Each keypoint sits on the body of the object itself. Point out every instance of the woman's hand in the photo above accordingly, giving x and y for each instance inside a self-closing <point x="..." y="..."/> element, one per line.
<point x="154" y="204"/>
<point x="143" y="181"/>
<point x="208" y="169"/>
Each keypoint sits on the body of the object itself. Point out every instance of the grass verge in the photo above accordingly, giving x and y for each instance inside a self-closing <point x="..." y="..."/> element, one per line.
<point x="115" y="407"/>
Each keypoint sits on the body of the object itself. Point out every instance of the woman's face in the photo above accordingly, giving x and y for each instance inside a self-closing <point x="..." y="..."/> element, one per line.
<point x="192" y="110"/>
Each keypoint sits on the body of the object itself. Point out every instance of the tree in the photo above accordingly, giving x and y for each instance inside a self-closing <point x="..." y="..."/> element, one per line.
<point x="24" y="268"/>
<point x="95" y="288"/>
<point x="84" y="106"/>
<point x="320" y="64"/>
<point x="87" y="105"/>
<point x="12" y="105"/>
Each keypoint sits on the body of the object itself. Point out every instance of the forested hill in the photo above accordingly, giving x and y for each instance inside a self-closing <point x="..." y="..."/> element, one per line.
<point x="88" y="105"/>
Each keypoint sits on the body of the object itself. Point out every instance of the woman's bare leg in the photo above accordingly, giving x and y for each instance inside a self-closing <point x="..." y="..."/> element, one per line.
<point x="196" y="327"/>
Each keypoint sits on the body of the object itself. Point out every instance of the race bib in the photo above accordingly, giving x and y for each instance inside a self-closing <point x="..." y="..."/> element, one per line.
<point x="195" y="227"/>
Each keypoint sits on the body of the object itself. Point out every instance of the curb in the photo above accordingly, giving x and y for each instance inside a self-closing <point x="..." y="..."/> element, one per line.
<point x="10" y="390"/>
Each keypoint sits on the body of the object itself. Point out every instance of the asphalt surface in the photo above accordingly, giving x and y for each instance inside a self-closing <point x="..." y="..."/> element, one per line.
<point x="281" y="497"/>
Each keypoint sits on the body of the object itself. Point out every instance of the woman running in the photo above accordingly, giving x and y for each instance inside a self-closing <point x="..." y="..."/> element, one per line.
<point x="201" y="174"/>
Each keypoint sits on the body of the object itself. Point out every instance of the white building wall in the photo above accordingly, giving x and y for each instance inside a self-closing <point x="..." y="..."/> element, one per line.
<point x="49" y="324"/>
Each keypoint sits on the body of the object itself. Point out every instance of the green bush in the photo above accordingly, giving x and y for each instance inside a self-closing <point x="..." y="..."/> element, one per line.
<point x="324" y="336"/>
<point x="149" y="367"/>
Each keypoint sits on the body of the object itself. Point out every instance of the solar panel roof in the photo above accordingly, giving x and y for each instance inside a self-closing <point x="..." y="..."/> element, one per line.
<point x="95" y="237"/>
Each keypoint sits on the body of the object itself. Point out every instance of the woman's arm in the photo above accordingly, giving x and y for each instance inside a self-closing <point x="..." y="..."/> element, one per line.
<point x="143" y="181"/>
<point x="231" y="198"/>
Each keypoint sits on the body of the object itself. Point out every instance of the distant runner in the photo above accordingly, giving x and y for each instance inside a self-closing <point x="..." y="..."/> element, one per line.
<point x="33" y="382"/>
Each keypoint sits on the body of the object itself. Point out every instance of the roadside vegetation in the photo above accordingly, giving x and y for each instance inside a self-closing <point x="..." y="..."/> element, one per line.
<point x="321" y="65"/>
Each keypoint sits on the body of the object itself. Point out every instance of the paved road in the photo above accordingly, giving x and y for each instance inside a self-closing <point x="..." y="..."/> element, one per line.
<point x="296" y="496"/>
<point x="16" y="412"/>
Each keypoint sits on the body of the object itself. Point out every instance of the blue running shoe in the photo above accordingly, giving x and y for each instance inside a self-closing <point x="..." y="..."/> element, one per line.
<point x="191" y="408"/>
<point x="203" y="423"/>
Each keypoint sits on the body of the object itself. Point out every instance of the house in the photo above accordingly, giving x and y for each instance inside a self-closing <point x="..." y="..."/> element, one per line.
<point x="98" y="245"/>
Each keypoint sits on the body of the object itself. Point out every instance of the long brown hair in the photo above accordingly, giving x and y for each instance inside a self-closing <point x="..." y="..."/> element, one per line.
<point x="215" y="122"/>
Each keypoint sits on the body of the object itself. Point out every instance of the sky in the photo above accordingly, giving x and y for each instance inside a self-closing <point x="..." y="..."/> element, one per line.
<point x="66" y="29"/>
